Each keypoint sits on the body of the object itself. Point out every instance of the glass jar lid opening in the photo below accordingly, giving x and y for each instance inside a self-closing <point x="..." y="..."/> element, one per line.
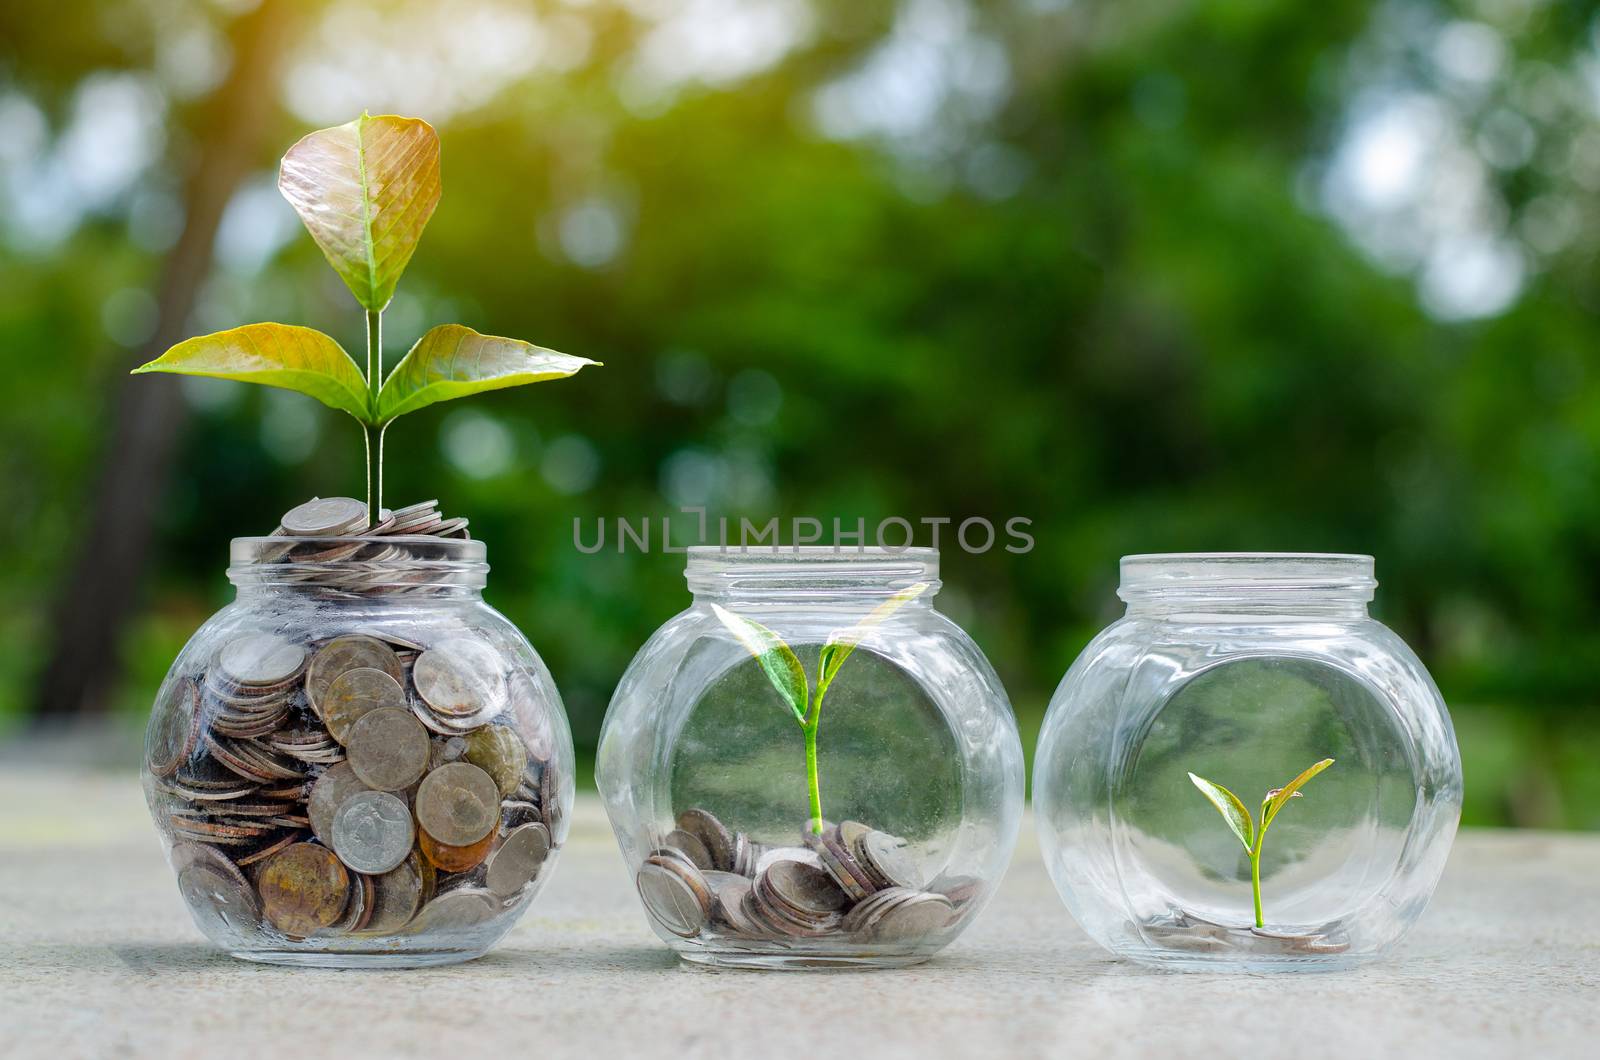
<point x="1248" y="576"/>
<point x="800" y="570"/>
<point x="359" y="563"/>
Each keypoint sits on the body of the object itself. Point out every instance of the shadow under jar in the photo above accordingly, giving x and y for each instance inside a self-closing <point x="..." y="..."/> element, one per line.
<point x="1245" y="670"/>
<point x="710" y="784"/>
<point x="358" y="762"/>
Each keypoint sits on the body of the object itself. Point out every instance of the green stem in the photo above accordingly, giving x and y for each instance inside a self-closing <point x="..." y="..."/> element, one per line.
<point x="811" y="776"/>
<point x="1255" y="882"/>
<point x="374" y="381"/>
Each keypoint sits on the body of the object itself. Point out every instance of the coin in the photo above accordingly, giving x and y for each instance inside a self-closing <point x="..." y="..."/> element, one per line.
<point x="221" y="902"/>
<point x="517" y="860"/>
<point x="691" y="846"/>
<point x="388" y="749"/>
<point x="303" y="889"/>
<point x="806" y="887"/>
<point x="342" y="654"/>
<point x="887" y="860"/>
<point x="447" y="858"/>
<point x="327" y="795"/>
<point x="672" y="898"/>
<point x="716" y="838"/>
<point x="355" y="692"/>
<point x="463" y="907"/>
<point x="260" y="659"/>
<point x="458" y="804"/>
<point x="498" y="751"/>
<point x="372" y="831"/>
<point x="397" y="895"/>
<point x="459" y="677"/>
<point x="915" y="917"/>
<point x="325" y="517"/>
<point x="174" y="728"/>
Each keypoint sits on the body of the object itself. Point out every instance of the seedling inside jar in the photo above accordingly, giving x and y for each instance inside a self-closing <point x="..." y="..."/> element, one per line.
<point x="784" y="669"/>
<point x="1239" y="821"/>
<point x="365" y="190"/>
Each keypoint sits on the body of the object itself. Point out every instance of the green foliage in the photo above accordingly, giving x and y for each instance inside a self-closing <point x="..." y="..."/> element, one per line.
<point x="1240" y="824"/>
<point x="280" y="355"/>
<point x="788" y="676"/>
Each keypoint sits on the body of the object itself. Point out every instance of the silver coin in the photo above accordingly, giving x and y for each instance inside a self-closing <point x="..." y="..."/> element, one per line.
<point x="372" y="831"/>
<point x="886" y="858"/>
<point x="219" y="903"/>
<point x="463" y="907"/>
<point x="388" y="749"/>
<point x="356" y="692"/>
<point x="325" y="517"/>
<point x="918" y="916"/>
<point x="174" y="728"/>
<point x="691" y="846"/>
<point x="806" y="887"/>
<point x="327" y="795"/>
<point x="397" y="895"/>
<point x="716" y="837"/>
<point x="458" y="804"/>
<point x="671" y="899"/>
<point x="517" y="860"/>
<point x="260" y="659"/>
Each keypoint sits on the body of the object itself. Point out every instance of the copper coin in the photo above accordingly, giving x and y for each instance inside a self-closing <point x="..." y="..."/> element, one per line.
<point x="304" y="888"/>
<point x="458" y="804"/>
<point x="691" y="846"/>
<point x="447" y="858"/>
<point x="460" y="677"/>
<point x="355" y="693"/>
<point x="388" y="749"/>
<point x="498" y="751"/>
<point x="343" y="654"/>
<point x="397" y="895"/>
<point x="174" y="728"/>
<point x="711" y="832"/>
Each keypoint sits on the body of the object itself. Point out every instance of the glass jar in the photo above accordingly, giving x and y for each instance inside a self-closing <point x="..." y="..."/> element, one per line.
<point x="358" y="762"/>
<point x="871" y="837"/>
<point x="1247" y="672"/>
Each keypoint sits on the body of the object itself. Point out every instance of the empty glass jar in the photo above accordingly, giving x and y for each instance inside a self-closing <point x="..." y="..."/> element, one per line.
<point x="1214" y="705"/>
<point x="358" y="761"/>
<point x="811" y="766"/>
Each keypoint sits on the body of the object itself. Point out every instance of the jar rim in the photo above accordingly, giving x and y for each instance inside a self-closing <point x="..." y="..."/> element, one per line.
<point x="1208" y="573"/>
<point x="805" y="569"/>
<point x="370" y="561"/>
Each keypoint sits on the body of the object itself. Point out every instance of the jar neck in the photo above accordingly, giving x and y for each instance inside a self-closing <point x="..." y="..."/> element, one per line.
<point x="358" y="568"/>
<point x="811" y="574"/>
<point x="1228" y="586"/>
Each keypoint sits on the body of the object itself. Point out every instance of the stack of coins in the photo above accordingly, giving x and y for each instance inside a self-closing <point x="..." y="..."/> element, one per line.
<point x="370" y="559"/>
<point x="851" y="882"/>
<point x="358" y="784"/>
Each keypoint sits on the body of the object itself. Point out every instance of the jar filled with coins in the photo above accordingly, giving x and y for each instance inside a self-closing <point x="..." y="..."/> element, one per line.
<point x="811" y="766"/>
<point x="359" y="762"/>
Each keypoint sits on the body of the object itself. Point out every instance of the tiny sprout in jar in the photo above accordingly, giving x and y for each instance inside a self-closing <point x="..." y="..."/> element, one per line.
<point x="875" y="837"/>
<point x="358" y="761"/>
<point x="1229" y="673"/>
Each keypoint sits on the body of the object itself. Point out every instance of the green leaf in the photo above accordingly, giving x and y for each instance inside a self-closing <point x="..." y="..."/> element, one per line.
<point x="365" y="190"/>
<point x="452" y="361"/>
<point x="1232" y="810"/>
<point x="777" y="659"/>
<point x="1279" y="799"/>
<point x="280" y="355"/>
<point x="842" y="642"/>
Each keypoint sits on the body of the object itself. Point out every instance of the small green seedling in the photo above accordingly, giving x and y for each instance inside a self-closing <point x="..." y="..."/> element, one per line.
<point x="365" y="190"/>
<point x="783" y="668"/>
<point x="1238" y="818"/>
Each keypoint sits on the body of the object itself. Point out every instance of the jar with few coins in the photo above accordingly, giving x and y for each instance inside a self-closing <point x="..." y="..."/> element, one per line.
<point x="811" y="766"/>
<point x="358" y="762"/>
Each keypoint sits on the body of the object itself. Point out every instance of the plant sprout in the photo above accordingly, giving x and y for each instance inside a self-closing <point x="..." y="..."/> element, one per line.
<point x="365" y="190"/>
<point x="1238" y="818"/>
<point x="783" y="668"/>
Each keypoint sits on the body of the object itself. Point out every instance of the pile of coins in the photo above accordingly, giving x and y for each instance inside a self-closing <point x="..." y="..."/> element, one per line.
<point x="364" y="566"/>
<point x="360" y="784"/>
<point x="1183" y="930"/>
<point x="849" y="882"/>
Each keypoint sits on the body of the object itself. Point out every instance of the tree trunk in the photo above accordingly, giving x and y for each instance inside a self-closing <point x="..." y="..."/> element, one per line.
<point x="98" y="592"/>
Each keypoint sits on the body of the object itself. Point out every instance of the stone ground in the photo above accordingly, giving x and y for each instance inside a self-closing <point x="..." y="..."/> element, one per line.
<point x="99" y="958"/>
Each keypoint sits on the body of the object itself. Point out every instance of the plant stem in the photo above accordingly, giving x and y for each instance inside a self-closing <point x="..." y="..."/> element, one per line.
<point x="811" y="775"/>
<point x="1255" y="883"/>
<point x="374" y="381"/>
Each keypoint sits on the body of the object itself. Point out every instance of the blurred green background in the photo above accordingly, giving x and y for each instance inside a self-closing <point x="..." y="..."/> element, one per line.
<point x="1251" y="274"/>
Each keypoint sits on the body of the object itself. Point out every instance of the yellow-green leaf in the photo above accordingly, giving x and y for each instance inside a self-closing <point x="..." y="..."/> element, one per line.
<point x="1232" y="810"/>
<point x="842" y="642"/>
<point x="365" y="190"/>
<point x="280" y="355"/>
<point x="1281" y="798"/>
<point x="778" y="661"/>
<point x="453" y="361"/>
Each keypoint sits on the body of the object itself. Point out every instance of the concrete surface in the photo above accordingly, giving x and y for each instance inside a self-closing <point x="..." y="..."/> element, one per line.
<point x="99" y="958"/>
